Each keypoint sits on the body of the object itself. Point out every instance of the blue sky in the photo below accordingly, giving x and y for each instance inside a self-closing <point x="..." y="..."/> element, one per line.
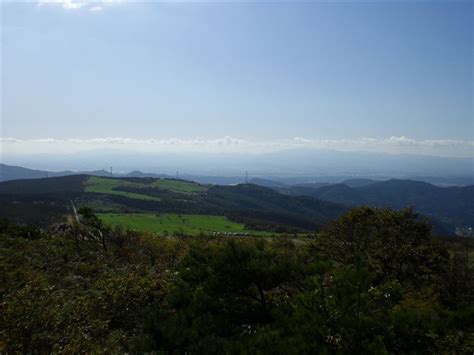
<point x="256" y="72"/>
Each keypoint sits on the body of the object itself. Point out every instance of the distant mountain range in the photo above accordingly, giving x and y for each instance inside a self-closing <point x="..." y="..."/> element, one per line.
<point x="288" y="164"/>
<point x="452" y="206"/>
<point x="9" y="172"/>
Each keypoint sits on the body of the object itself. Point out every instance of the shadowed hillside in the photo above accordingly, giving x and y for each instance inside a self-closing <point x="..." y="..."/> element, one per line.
<point x="448" y="205"/>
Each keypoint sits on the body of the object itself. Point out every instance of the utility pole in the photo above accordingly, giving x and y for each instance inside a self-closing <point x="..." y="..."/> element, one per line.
<point x="111" y="172"/>
<point x="246" y="177"/>
<point x="177" y="175"/>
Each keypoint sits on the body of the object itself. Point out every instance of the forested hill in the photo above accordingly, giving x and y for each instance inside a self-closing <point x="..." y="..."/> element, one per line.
<point x="41" y="201"/>
<point x="449" y="205"/>
<point x="73" y="185"/>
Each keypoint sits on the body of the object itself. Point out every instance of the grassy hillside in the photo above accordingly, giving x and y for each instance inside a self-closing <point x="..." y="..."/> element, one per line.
<point x="108" y="186"/>
<point x="179" y="186"/>
<point x="140" y="188"/>
<point x="256" y="207"/>
<point x="172" y="185"/>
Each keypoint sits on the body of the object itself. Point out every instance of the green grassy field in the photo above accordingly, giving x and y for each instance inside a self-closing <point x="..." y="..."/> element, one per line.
<point x="174" y="223"/>
<point x="106" y="186"/>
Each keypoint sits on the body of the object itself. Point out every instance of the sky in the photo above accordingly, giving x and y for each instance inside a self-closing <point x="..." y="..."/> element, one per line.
<point x="387" y="76"/>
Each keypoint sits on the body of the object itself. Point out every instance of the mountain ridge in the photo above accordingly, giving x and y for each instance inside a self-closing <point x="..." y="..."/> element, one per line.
<point x="258" y="206"/>
<point x="450" y="205"/>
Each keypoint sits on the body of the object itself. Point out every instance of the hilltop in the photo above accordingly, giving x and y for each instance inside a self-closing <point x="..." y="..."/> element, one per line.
<point x="256" y="207"/>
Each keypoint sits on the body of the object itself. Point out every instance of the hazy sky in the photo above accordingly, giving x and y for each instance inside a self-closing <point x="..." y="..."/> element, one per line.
<point x="398" y="72"/>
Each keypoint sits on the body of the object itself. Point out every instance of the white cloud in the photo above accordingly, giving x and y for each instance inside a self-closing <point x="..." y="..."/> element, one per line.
<point x="93" y="6"/>
<point x="394" y="145"/>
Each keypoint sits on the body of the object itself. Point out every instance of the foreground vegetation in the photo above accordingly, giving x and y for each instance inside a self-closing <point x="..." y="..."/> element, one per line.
<point x="376" y="281"/>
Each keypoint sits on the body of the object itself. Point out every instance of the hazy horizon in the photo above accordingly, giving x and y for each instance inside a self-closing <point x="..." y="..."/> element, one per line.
<point x="293" y="162"/>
